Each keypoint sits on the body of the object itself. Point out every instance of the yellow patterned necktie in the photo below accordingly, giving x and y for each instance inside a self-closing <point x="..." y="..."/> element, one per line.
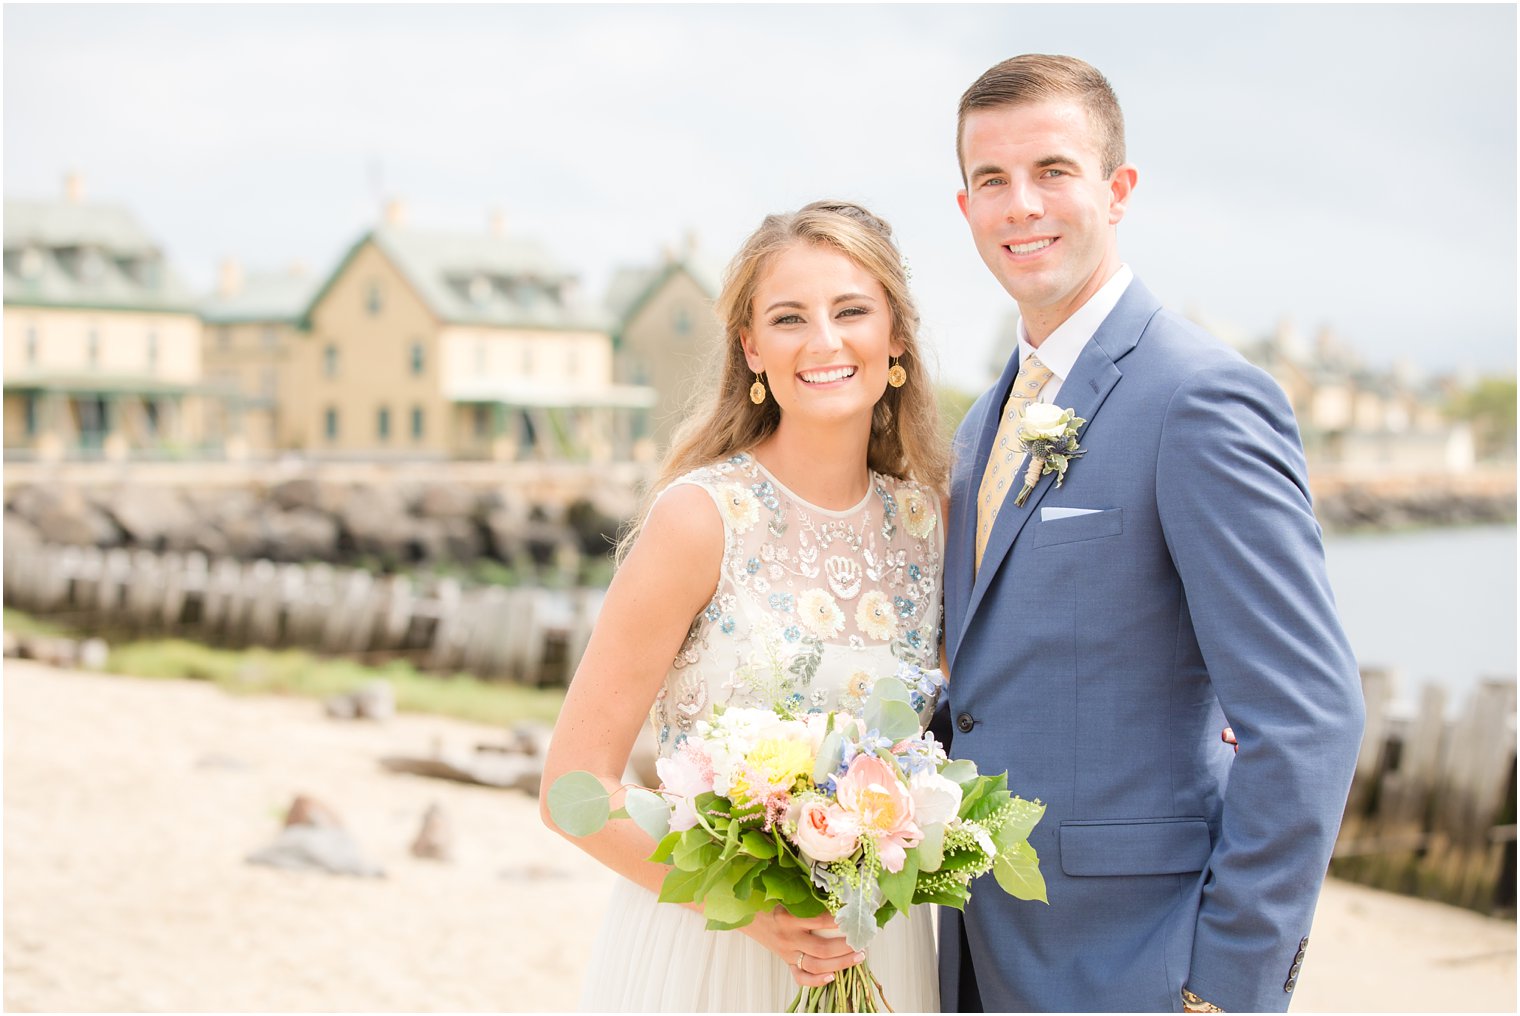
<point x="1007" y="453"/>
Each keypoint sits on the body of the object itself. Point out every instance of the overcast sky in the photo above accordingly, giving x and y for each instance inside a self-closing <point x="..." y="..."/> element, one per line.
<point x="1351" y="166"/>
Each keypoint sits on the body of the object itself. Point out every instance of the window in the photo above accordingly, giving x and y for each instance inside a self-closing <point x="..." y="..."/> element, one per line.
<point x="330" y="424"/>
<point x="224" y="338"/>
<point x="682" y="322"/>
<point x="92" y="346"/>
<point x="527" y="357"/>
<point x="482" y="420"/>
<point x="31" y="415"/>
<point x="152" y="352"/>
<point x="572" y="362"/>
<point x="31" y="344"/>
<point x="269" y="382"/>
<point x="418" y="360"/>
<point x="383" y="423"/>
<point x="372" y="301"/>
<point x="330" y="361"/>
<point x="417" y="423"/>
<point x="480" y="356"/>
<point x="270" y="336"/>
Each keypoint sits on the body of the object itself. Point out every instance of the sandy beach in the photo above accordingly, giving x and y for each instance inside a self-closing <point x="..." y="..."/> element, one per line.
<point x="130" y="805"/>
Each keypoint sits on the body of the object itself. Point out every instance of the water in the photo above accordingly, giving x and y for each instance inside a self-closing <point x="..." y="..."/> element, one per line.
<point x="1437" y="605"/>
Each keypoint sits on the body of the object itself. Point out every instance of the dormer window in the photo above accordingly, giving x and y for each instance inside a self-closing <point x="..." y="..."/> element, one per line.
<point x="31" y="264"/>
<point x="372" y="301"/>
<point x="91" y="266"/>
<point x="480" y="289"/>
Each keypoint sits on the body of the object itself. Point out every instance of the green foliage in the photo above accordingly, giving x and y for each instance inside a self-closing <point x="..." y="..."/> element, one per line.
<point x="1489" y="406"/>
<point x="954" y="404"/>
<point x="578" y="803"/>
<point x="1017" y="870"/>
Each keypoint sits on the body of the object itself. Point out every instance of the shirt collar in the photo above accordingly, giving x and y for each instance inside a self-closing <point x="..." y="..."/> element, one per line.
<point x="1061" y="348"/>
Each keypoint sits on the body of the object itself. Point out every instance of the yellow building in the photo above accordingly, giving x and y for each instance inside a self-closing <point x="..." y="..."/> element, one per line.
<point x="251" y="345"/>
<point x="664" y="332"/>
<point x="456" y="345"/>
<point x="102" y="343"/>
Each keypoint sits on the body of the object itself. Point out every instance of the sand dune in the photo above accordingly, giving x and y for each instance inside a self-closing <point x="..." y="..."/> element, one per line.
<point x="130" y="804"/>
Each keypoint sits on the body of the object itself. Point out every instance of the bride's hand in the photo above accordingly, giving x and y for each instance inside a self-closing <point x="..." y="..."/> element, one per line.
<point x="812" y="959"/>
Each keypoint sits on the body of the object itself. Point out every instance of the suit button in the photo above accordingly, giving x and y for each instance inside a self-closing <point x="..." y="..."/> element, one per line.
<point x="964" y="723"/>
<point x="1290" y="984"/>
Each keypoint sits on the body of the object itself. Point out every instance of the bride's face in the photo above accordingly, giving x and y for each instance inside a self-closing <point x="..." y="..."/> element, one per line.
<point x="821" y="332"/>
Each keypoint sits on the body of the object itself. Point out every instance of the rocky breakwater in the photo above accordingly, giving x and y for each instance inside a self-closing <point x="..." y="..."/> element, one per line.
<point x="386" y="527"/>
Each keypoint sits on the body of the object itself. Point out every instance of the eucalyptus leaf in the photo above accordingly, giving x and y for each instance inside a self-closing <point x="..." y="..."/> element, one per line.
<point x="830" y="755"/>
<point x="649" y="810"/>
<point x="857" y="918"/>
<point x="1017" y="870"/>
<point x="578" y="803"/>
<point x="889" y="689"/>
<point x="961" y="771"/>
<point x="895" y="720"/>
<point x="931" y="850"/>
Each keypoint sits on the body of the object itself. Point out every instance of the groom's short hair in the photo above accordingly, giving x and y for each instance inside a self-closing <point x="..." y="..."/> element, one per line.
<point x="1035" y="77"/>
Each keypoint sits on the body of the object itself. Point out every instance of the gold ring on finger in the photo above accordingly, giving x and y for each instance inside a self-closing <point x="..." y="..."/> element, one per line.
<point x="800" y="955"/>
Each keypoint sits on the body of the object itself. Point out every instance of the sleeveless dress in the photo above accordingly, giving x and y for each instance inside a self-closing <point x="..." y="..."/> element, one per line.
<point x="811" y="607"/>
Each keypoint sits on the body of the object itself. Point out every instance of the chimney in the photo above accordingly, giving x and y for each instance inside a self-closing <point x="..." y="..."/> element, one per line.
<point x="395" y="212"/>
<point x="498" y="223"/>
<point x="73" y="188"/>
<point x="296" y="269"/>
<point x="229" y="279"/>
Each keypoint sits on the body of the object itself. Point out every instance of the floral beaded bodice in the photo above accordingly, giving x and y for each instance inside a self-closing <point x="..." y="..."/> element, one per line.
<point x="812" y="605"/>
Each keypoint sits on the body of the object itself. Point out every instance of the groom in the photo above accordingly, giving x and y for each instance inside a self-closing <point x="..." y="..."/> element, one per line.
<point x="1099" y="634"/>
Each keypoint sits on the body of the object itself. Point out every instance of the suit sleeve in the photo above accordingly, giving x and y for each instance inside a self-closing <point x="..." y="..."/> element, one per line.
<point x="1234" y="505"/>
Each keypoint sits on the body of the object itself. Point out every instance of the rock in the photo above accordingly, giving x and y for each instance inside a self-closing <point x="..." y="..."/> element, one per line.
<point x="64" y="515"/>
<point x="300" y="492"/>
<point x="435" y="840"/>
<point x="375" y="521"/>
<point x="155" y="518"/>
<point x="316" y="848"/>
<point x="19" y="532"/>
<point x="374" y="701"/>
<point x="308" y="811"/>
<point x="446" y="501"/>
<point x="93" y="653"/>
<point x="301" y="534"/>
<point x="595" y="530"/>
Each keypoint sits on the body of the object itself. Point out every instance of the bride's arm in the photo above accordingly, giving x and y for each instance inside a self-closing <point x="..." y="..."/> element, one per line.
<point x="668" y="576"/>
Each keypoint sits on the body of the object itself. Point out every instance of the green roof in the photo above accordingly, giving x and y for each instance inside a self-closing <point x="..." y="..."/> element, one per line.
<point x="479" y="279"/>
<point x="263" y="296"/>
<point x="632" y="287"/>
<point x="63" y="254"/>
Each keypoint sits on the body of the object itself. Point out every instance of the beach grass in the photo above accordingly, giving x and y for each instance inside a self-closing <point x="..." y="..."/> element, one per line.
<point x="297" y="672"/>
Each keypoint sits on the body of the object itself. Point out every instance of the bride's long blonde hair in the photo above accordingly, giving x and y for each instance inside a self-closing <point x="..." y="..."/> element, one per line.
<point x="906" y="440"/>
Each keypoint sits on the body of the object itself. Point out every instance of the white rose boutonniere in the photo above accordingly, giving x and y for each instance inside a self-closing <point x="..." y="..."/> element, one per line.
<point x="1049" y="434"/>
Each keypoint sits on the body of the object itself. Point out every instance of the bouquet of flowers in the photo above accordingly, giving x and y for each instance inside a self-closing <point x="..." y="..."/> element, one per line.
<point x="859" y="816"/>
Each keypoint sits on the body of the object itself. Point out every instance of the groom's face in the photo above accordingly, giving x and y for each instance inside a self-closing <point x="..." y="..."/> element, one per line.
<point x="1041" y="210"/>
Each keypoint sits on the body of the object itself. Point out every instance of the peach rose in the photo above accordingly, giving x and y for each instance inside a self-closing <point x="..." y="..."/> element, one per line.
<point x="825" y="831"/>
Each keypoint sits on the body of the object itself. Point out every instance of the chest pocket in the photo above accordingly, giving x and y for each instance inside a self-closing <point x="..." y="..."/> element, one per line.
<point x="1075" y="528"/>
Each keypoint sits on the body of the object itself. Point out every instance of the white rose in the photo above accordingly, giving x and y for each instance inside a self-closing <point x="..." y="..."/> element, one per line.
<point x="1044" y="420"/>
<point x="935" y="798"/>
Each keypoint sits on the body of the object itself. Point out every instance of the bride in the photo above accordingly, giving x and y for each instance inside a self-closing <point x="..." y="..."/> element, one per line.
<point x="792" y="552"/>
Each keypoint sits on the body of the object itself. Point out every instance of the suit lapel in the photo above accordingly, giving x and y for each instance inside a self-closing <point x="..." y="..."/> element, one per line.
<point x="977" y="439"/>
<point x="1093" y="376"/>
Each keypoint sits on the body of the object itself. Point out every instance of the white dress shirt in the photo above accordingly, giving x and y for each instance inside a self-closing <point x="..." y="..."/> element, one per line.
<point x="1061" y="347"/>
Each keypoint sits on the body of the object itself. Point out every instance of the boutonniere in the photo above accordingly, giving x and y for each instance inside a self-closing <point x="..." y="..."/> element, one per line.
<point x="1049" y="434"/>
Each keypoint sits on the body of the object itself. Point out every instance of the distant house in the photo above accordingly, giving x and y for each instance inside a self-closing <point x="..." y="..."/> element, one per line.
<point x="251" y="346"/>
<point x="102" y="341"/>
<point x="664" y="332"/>
<point x="457" y="345"/>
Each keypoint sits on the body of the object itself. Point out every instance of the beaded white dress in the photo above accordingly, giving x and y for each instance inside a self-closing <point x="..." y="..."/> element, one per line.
<point x="811" y="607"/>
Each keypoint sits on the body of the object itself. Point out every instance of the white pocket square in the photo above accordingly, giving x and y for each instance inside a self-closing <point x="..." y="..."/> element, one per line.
<point x="1047" y="514"/>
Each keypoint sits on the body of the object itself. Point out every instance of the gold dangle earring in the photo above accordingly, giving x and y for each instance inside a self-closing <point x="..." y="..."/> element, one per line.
<point x="757" y="391"/>
<point x="896" y="376"/>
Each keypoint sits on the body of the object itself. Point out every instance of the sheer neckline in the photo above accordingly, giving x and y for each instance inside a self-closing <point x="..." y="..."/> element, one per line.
<point x="873" y="481"/>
